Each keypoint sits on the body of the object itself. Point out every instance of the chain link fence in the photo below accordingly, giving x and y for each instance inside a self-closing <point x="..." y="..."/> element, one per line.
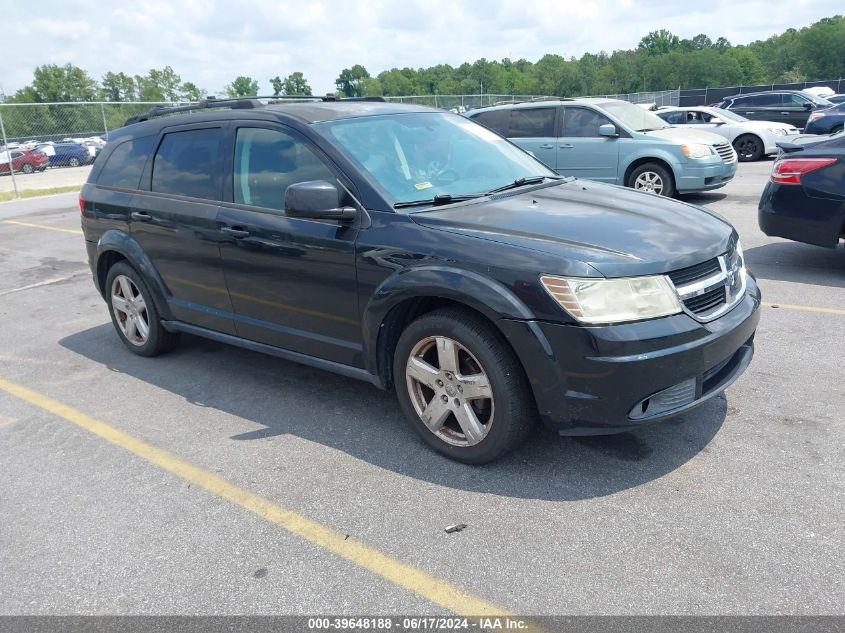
<point x="470" y="102"/>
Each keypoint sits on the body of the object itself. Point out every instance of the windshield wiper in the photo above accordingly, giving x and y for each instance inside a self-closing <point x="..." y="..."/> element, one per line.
<point x="521" y="182"/>
<point x="443" y="198"/>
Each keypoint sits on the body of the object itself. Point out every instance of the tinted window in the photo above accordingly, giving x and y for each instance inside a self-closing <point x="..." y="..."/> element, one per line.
<point x="267" y="162"/>
<point x="496" y="120"/>
<point x="531" y="123"/>
<point x="188" y="164"/>
<point x="675" y="118"/>
<point x="767" y="100"/>
<point x="582" y="122"/>
<point x="739" y="102"/>
<point x="126" y="162"/>
<point x="795" y="100"/>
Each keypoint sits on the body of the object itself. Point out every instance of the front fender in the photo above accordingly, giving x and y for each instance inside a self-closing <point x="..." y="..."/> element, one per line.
<point x="116" y="241"/>
<point x="651" y="154"/>
<point x="469" y="288"/>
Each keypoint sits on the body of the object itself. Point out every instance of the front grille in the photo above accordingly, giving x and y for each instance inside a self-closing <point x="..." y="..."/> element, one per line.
<point x="725" y="152"/>
<point x="711" y="288"/>
<point x="707" y="302"/>
<point x="695" y="273"/>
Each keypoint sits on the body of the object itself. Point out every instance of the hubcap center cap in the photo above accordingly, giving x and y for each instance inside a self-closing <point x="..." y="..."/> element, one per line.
<point x="451" y="391"/>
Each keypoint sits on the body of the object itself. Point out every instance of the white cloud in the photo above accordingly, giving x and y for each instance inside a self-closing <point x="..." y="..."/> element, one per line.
<point x="211" y="42"/>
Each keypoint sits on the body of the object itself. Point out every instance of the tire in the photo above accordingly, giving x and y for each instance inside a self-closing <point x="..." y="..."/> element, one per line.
<point x="124" y="282"/>
<point x="748" y="148"/>
<point x="653" y="178"/>
<point x="27" y="168"/>
<point x="473" y="430"/>
<point x="836" y="129"/>
<point x="73" y="161"/>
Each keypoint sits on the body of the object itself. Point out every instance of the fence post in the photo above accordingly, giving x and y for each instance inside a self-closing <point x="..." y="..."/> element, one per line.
<point x="9" y="155"/>
<point x="105" y="125"/>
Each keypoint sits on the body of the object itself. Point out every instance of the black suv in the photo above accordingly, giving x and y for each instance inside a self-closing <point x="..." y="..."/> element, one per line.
<point x="418" y="251"/>
<point x="783" y="106"/>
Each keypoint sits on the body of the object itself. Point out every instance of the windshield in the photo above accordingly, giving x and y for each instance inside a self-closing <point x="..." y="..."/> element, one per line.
<point x="727" y="115"/>
<point x="633" y="116"/>
<point x="817" y="99"/>
<point x="417" y="156"/>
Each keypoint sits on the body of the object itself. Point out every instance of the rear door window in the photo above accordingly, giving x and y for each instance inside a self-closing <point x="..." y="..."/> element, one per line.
<point x="125" y="164"/>
<point x="767" y="100"/>
<point x="188" y="163"/>
<point x="496" y="120"/>
<point x="532" y="123"/>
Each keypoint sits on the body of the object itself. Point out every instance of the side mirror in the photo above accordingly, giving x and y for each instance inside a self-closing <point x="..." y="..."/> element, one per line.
<point x="717" y="121"/>
<point x="608" y="129"/>
<point x="808" y="106"/>
<point x="316" y="199"/>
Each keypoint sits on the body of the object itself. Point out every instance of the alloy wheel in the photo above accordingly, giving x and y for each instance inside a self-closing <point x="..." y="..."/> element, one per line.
<point x="649" y="181"/>
<point x="450" y="391"/>
<point x="130" y="310"/>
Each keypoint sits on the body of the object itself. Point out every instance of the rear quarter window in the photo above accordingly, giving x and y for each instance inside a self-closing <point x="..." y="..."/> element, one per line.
<point x="496" y="120"/>
<point x="125" y="164"/>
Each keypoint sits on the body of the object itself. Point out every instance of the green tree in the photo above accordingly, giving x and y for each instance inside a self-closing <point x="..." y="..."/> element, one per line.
<point x="295" y="84"/>
<point x="659" y="42"/>
<point x="277" y="84"/>
<point x="349" y="80"/>
<point x="118" y="87"/>
<point x="190" y="92"/>
<point x="62" y="83"/>
<point x="821" y="48"/>
<point x="242" y="86"/>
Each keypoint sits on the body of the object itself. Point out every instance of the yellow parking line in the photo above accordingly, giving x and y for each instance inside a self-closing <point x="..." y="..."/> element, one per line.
<point x="434" y="589"/>
<point x="791" y="306"/>
<point x="43" y="226"/>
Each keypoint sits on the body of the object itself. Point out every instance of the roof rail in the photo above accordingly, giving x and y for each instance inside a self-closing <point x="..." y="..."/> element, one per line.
<point x="236" y="103"/>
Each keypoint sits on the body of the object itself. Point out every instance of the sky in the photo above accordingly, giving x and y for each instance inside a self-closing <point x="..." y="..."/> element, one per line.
<point x="210" y="42"/>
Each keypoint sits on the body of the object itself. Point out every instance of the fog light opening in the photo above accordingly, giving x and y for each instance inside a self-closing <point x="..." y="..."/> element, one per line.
<point x="644" y="406"/>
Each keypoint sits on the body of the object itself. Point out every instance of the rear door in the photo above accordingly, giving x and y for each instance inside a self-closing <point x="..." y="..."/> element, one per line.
<point x="764" y="107"/>
<point x="582" y="151"/>
<point x="174" y="219"/>
<point x="292" y="280"/>
<point x="534" y="130"/>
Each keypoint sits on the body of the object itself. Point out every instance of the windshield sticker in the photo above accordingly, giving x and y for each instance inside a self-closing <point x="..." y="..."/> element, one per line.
<point x="423" y="185"/>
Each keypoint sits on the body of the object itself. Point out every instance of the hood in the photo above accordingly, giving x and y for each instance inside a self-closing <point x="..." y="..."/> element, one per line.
<point x="764" y="125"/>
<point x="686" y="135"/>
<point x="617" y="231"/>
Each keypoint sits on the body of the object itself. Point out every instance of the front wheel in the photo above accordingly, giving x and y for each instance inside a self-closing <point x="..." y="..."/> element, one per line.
<point x="461" y="386"/>
<point x="652" y="178"/>
<point x="748" y="148"/>
<point x="27" y="168"/>
<point x="73" y="161"/>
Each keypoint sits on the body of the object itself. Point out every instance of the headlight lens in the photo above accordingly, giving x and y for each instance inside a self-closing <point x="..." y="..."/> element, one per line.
<point x="613" y="300"/>
<point x="696" y="150"/>
<point x="777" y="130"/>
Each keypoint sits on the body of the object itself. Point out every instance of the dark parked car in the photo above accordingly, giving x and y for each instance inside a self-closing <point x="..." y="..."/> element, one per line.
<point x="828" y="121"/>
<point x="416" y="250"/>
<point x="783" y="106"/>
<point x="22" y="161"/>
<point x="805" y="197"/>
<point x="70" y="155"/>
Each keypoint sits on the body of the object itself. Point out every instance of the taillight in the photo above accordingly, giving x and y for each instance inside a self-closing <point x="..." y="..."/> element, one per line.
<point x="815" y="116"/>
<point x="81" y="204"/>
<point x="788" y="171"/>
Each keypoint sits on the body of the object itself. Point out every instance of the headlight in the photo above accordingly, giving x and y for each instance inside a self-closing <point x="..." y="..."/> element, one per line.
<point x="613" y="300"/>
<point x="777" y="130"/>
<point x="696" y="150"/>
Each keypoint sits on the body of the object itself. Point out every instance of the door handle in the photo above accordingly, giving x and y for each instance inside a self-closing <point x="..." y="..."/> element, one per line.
<point x="749" y="112"/>
<point x="566" y="146"/>
<point x="784" y="112"/>
<point x="141" y="216"/>
<point x="234" y="232"/>
<point x="546" y="146"/>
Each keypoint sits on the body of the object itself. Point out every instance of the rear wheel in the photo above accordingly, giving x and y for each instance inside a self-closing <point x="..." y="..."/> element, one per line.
<point x="836" y="129"/>
<point x="134" y="313"/>
<point x="27" y="168"/>
<point x="748" y="148"/>
<point x="73" y="161"/>
<point x="652" y="178"/>
<point x="461" y="386"/>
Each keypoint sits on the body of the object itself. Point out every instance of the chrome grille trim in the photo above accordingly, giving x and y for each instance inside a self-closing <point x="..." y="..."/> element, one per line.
<point x="731" y="279"/>
<point x="726" y="152"/>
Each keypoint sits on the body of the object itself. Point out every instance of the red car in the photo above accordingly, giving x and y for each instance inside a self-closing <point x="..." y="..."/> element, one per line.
<point x="23" y="161"/>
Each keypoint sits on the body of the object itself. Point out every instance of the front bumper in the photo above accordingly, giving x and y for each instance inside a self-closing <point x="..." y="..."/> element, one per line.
<point x="704" y="177"/>
<point x="594" y="380"/>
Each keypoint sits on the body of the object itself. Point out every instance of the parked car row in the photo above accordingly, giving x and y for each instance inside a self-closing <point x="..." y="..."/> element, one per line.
<point x="30" y="158"/>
